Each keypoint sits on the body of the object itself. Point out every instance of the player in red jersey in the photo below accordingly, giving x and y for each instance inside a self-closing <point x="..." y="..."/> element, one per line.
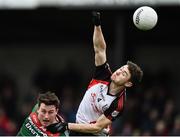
<point x="42" y="115"/>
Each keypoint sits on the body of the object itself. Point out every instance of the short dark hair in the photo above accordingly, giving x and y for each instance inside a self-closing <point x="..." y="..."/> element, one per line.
<point x="48" y="98"/>
<point x="135" y="71"/>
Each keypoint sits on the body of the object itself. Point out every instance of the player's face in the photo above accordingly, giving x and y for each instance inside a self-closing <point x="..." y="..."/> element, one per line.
<point x="47" y="114"/>
<point x="121" y="76"/>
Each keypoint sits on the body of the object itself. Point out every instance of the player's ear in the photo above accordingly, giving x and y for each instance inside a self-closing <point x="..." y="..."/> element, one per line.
<point x="128" y="84"/>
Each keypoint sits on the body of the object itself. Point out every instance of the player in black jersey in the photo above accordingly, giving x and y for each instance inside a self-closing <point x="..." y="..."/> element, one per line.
<point x="104" y="99"/>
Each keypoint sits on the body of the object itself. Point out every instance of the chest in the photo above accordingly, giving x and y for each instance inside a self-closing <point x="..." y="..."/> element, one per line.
<point x="99" y="97"/>
<point x="30" y="129"/>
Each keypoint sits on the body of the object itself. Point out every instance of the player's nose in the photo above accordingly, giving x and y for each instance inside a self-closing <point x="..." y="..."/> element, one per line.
<point x="46" y="115"/>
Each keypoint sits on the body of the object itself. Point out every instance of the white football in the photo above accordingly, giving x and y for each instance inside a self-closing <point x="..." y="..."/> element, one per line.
<point x="145" y="18"/>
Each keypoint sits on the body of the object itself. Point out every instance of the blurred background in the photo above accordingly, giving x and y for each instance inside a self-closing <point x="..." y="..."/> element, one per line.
<point x="47" y="45"/>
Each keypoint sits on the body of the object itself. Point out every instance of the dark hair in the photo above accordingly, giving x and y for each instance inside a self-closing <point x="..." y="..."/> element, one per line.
<point x="48" y="98"/>
<point x="135" y="71"/>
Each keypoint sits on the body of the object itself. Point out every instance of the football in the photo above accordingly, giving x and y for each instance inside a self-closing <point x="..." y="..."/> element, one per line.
<point x="145" y="18"/>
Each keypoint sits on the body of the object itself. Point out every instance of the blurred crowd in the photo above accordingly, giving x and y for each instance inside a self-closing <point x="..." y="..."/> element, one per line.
<point x="150" y="108"/>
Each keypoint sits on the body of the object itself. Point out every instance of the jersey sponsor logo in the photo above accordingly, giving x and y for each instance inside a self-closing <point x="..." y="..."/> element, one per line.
<point x="30" y="124"/>
<point x="29" y="127"/>
<point x="105" y="107"/>
<point x="93" y="95"/>
<point x="95" y="109"/>
<point x="114" y="113"/>
<point x="101" y="90"/>
<point x="101" y="87"/>
<point x="99" y="99"/>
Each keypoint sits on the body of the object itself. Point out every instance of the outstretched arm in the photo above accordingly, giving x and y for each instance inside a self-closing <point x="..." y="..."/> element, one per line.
<point x="100" y="124"/>
<point x="98" y="41"/>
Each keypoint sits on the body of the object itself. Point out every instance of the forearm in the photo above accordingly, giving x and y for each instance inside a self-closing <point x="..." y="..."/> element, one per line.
<point x="85" y="128"/>
<point x="98" y="39"/>
<point x="99" y="46"/>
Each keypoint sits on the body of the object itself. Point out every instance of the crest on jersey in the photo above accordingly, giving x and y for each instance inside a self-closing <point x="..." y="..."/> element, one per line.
<point x="99" y="99"/>
<point x="105" y="107"/>
<point x="114" y="113"/>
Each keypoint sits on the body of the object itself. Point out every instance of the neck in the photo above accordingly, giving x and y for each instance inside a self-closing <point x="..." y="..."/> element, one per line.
<point x="115" y="89"/>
